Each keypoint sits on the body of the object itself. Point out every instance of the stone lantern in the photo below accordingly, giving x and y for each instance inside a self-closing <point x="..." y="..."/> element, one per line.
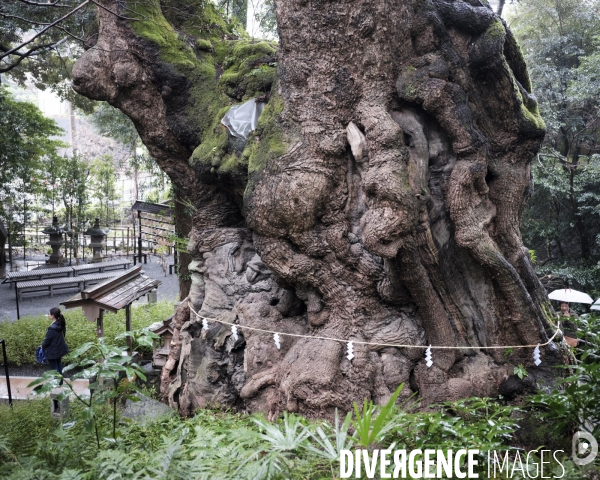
<point x="97" y="237"/>
<point x="56" y="241"/>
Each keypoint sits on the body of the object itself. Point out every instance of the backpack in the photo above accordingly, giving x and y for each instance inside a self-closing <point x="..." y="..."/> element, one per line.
<point x="40" y="357"/>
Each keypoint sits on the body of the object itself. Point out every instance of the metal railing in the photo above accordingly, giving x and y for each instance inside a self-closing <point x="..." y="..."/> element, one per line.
<point x="6" y="371"/>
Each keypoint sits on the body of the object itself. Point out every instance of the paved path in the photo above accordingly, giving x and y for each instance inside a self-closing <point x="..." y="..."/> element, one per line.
<point x="39" y="305"/>
<point x="20" y="391"/>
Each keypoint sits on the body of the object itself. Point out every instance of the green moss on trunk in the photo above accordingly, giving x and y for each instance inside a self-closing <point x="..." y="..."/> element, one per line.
<point x="214" y="143"/>
<point x="198" y="68"/>
<point x="250" y="70"/>
<point x="268" y="141"/>
<point x="217" y="71"/>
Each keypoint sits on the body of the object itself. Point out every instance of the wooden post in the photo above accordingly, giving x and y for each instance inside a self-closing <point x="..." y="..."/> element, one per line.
<point x="127" y="248"/>
<point x="10" y="404"/>
<point x="100" y="324"/>
<point x="140" y="237"/>
<point x="17" y="297"/>
<point x="74" y="240"/>
<point x="10" y="259"/>
<point x="24" y="223"/>
<point x="128" y="328"/>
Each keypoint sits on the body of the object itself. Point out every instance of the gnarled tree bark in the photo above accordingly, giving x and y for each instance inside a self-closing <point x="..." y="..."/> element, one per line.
<point x="379" y="199"/>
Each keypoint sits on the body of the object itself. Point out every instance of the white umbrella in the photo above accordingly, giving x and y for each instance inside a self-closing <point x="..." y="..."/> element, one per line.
<point x="596" y="305"/>
<point x="571" y="296"/>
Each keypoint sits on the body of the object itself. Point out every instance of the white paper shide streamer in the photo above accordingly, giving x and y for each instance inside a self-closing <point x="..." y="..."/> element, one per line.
<point x="276" y="340"/>
<point x="428" y="360"/>
<point x="350" y="351"/>
<point x="350" y="345"/>
<point x="536" y="356"/>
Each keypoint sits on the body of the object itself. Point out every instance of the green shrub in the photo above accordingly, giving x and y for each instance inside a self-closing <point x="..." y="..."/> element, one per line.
<point x="574" y="404"/>
<point x="474" y="423"/>
<point x="33" y="445"/>
<point x="23" y="336"/>
<point x="24" y="424"/>
<point x="222" y="445"/>
<point x="110" y="374"/>
<point x="369" y="428"/>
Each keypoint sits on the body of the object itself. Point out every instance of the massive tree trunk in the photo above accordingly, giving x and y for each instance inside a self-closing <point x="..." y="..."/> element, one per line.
<point x="378" y="200"/>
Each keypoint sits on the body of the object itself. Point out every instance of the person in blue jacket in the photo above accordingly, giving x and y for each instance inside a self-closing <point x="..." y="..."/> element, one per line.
<point x="54" y="345"/>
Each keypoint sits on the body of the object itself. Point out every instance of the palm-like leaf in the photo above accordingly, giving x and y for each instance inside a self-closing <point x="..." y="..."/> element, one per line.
<point x="330" y="450"/>
<point x="369" y="431"/>
<point x="292" y="437"/>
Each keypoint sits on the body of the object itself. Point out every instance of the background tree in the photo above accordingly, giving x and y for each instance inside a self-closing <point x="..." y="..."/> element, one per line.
<point x="73" y="175"/>
<point x="49" y="183"/>
<point x="40" y="41"/>
<point x="236" y="9"/>
<point x="103" y="184"/>
<point x="25" y="143"/>
<point x="264" y="17"/>
<point x="111" y="122"/>
<point x="562" y="223"/>
<point x="115" y="124"/>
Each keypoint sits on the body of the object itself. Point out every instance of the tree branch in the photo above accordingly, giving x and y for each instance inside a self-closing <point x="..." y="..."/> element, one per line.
<point x="5" y="15"/>
<point x="37" y="4"/>
<point x="549" y="259"/>
<point x="99" y="5"/>
<point x="62" y="29"/>
<point x="72" y="35"/>
<point x="30" y="53"/>
<point x="44" y="30"/>
<point x="500" y="8"/>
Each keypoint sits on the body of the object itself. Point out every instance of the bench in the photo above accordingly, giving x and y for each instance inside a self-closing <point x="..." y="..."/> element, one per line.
<point x="101" y="267"/>
<point x="135" y="258"/>
<point x="13" y="277"/>
<point x="56" y="284"/>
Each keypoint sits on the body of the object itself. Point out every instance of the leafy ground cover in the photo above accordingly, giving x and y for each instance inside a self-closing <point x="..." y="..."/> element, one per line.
<point x="217" y="444"/>
<point x="96" y="443"/>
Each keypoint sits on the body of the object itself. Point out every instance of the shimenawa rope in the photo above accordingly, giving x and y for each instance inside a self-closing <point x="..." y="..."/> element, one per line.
<point x="317" y="337"/>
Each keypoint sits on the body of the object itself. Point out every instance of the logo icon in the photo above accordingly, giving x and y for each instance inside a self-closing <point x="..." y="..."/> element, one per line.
<point x="585" y="448"/>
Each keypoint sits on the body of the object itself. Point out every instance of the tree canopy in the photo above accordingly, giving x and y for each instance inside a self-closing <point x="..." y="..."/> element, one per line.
<point x="26" y="140"/>
<point x="561" y="42"/>
<point x="40" y="41"/>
